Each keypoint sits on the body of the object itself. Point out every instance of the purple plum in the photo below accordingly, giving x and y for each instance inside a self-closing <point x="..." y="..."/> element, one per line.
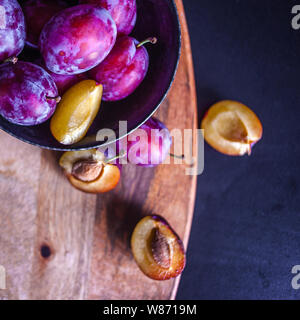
<point x="12" y="29"/>
<point x="62" y="81"/>
<point x="37" y="14"/>
<point x="65" y="82"/>
<point x="122" y="11"/>
<point x="28" y="94"/>
<point x="123" y="70"/>
<point x="77" y="39"/>
<point x="150" y="150"/>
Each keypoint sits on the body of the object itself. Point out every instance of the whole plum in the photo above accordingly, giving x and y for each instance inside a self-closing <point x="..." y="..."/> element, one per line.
<point x="151" y="150"/>
<point x="28" y="94"/>
<point x="62" y="81"/>
<point x="123" y="70"/>
<point x="37" y="14"/>
<point x="122" y="11"/>
<point x="12" y="29"/>
<point x="65" y="82"/>
<point x="77" y="39"/>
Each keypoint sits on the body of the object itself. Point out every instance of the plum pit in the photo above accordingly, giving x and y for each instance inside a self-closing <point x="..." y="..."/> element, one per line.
<point x="160" y="249"/>
<point x="87" y="171"/>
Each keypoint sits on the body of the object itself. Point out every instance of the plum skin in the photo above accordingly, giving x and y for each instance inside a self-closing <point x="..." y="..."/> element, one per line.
<point x="77" y="39"/>
<point x="25" y="89"/>
<point x="124" y="13"/>
<point x="12" y="29"/>
<point x="152" y="154"/>
<point x="37" y="13"/>
<point x="123" y="70"/>
<point x="65" y="82"/>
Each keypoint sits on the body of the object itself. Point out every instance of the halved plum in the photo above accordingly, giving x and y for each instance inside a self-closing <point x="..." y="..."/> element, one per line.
<point x="231" y="128"/>
<point x="88" y="171"/>
<point x="76" y="112"/>
<point x="157" y="249"/>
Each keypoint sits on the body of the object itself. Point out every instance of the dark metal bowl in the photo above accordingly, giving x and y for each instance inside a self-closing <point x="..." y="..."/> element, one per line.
<point x="157" y="18"/>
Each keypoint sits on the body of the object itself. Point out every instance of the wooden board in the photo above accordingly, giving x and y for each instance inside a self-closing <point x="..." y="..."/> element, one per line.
<point x="89" y="235"/>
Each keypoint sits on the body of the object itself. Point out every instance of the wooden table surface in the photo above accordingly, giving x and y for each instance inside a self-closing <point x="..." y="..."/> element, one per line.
<point x="89" y="235"/>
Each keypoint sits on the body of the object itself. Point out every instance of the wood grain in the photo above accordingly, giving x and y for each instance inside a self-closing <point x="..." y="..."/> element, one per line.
<point x="89" y="235"/>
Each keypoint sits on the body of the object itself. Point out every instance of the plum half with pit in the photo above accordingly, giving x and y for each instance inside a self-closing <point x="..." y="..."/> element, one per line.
<point x="89" y="172"/>
<point x="37" y="14"/>
<point x="157" y="249"/>
<point x="124" y="69"/>
<point x="28" y="94"/>
<point x="12" y="29"/>
<point x="77" y="39"/>
<point x="122" y="11"/>
<point x="149" y="145"/>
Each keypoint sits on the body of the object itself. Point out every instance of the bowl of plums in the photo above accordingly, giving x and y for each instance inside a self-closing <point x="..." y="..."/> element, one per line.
<point x="70" y="69"/>
<point x="81" y="77"/>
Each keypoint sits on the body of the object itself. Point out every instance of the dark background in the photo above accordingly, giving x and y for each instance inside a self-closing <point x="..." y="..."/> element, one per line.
<point x="246" y="231"/>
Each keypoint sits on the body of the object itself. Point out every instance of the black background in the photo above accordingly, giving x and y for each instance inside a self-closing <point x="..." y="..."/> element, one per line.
<point x="246" y="231"/>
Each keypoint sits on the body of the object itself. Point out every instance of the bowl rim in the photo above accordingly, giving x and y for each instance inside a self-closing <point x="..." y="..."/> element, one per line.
<point x="98" y="144"/>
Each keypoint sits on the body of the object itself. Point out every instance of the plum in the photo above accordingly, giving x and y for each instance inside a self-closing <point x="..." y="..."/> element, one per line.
<point x="65" y="82"/>
<point x="122" y="11"/>
<point x="88" y="171"/>
<point x="12" y="29"/>
<point x="37" y="14"/>
<point x="231" y="128"/>
<point x="77" y="39"/>
<point x="152" y="150"/>
<point x="76" y="112"/>
<point x="157" y="249"/>
<point x="28" y="94"/>
<point x="124" y="69"/>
